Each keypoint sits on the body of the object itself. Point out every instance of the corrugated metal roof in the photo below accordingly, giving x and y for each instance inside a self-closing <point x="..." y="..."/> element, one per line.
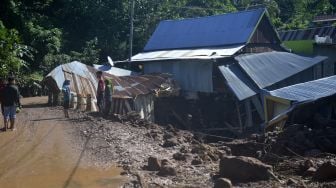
<point x="114" y="70"/>
<point x="308" y="34"/>
<point x="324" y="18"/>
<point x="239" y="83"/>
<point x="221" y="30"/>
<point x="209" y="53"/>
<point x="268" y="68"/>
<point x="308" y="91"/>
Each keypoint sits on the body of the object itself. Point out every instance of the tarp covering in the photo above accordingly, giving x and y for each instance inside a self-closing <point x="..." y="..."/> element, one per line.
<point x="204" y="53"/>
<point x="308" y="91"/>
<point x="84" y="81"/>
<point x="239" y="83"/>
<point x="114" y="70"/>
<point x="268" y="68"/>
<point x="220" y="30"/>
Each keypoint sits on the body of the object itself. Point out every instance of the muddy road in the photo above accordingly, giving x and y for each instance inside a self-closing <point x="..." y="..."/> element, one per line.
<point x="86" y="150"/>
<point x="43" y="153"/>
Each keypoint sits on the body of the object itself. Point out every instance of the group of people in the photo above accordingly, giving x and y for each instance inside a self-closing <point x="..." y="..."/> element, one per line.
<point x="104" y="95"/>
<point x="10" y="102"/>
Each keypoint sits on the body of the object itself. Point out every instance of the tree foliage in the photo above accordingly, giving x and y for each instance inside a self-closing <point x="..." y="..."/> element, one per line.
<point x="59" y="31"/>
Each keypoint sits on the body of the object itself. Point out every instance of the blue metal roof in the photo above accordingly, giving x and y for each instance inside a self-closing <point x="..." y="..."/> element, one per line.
<point x="308" y="91"/>
<point x="239" y="83"/>
<point x="211" y="31"/>
<point x="266" y="69"/>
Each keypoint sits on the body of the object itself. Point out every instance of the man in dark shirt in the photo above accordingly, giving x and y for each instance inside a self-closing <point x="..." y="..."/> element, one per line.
<point x="2" y="87"/>
<point x="11" y="99"/>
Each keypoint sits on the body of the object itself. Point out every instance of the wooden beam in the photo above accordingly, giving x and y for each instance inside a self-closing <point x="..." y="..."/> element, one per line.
<point x="248" y="122"/>
<point x="258" y="106"/>
<point x="238" y="114"/>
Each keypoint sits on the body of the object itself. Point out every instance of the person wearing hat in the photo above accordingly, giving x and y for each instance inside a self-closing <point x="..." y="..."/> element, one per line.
<point x="66" y="97"/>
<point x="108" y="96"/>
<point x="10" y="101"/>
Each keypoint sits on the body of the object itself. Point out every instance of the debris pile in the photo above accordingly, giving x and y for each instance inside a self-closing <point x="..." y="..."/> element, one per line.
<point x="302" y="140"/>
<point x="157" y="156"/>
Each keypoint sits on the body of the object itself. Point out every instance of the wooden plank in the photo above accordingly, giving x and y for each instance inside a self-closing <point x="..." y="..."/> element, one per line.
<point x="248" y="122"/>
<point x="257" y="105"/>
<point x="185" y="125"/>
<point x="121" y="106"/>
<point x="128" y="106"/>
<point x="238" y="114"/>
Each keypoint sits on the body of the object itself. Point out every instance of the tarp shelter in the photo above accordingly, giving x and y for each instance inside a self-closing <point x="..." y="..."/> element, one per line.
<point x="279" y="103"/>
<point x="131" y="93"/>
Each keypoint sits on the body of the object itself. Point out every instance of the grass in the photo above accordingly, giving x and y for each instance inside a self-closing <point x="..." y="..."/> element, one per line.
<point x="300" y="46"/>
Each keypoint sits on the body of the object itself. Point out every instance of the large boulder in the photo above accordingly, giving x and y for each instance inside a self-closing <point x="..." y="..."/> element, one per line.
<point x="223" y="183"/>
<point x="244" y="169"/>
<point x="167" y="170"/>
<point x="326" y="172"/>
<point x="153" y="164"/>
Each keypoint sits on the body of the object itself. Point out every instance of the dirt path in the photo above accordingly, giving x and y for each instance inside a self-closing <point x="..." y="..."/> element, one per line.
<point x="40" y="153"/>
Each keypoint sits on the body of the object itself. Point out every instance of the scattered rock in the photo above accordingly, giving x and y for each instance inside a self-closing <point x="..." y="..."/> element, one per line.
<point x="326" y="172"/>
<point x="306" y="165"/>
<point x="184" y="149"/>
<point x="223" y="183"/>
<point x="153" y="164"/>
<point x="179" y="156"/>
<point x="291" y="181"/>
<point x="198" y="149"/>
<point x="170" y="143"/>
<point x="168" y="136"/>
<point x="310" y="171"/>
<point x="196" y="161"/>
<point x="165" y="162"/>
<point x="244" y="169"/>
<point x="123" y="173"/>
<point x="167" y="170"/>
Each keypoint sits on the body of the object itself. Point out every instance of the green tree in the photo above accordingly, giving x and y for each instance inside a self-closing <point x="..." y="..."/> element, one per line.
<point x="12" y="51"/>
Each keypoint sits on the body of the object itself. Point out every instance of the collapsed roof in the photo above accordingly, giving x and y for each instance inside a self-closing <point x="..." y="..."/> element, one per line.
<point x="254" y="72"/>
<point x="308" y="91"/>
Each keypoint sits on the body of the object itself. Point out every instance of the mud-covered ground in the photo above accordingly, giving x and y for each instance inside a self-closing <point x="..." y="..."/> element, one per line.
<point x="82" y="151"/>
<point x="131" y="142"/>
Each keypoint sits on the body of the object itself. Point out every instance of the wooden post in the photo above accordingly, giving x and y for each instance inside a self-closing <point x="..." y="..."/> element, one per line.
<point x="239" y="118"/>
<point x="248" y="122"/>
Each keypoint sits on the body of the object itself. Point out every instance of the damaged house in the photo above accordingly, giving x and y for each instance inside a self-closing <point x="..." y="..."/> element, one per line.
<point x="131" y="93"/>
<point x="311" y="103"/>
<point x="222" y="63"/>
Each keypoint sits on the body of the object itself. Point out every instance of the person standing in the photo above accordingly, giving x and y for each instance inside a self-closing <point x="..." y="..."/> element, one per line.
<point x="100" y="91"/>
<point x="66" y="97"/>
<point x="11" y="100"/>
<point x="2" y="87"/>
<point x="108" y="96"/>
